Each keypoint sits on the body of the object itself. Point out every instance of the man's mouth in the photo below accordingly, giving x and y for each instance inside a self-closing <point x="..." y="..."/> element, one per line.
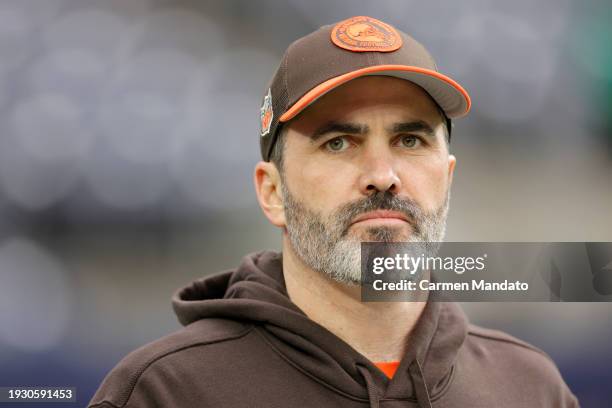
<point x="381" y="217"/>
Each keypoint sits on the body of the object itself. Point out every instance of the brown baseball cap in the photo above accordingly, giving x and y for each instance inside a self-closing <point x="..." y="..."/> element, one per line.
<point x="335" y="54"/>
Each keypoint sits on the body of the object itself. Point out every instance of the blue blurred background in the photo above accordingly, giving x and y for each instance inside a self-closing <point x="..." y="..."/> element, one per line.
<point x="129" y="131"/>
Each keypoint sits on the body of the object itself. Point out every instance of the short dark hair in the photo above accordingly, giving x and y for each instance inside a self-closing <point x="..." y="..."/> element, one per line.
<point x="277" y="156"/>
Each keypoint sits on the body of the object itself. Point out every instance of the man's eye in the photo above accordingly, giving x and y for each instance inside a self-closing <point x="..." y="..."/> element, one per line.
<point x="337" y="144"/>
<point x="410" y="141"/>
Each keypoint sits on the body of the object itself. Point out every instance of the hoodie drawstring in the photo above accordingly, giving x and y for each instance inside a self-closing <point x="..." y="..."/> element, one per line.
<point x="420" y="387"/>
<point x="372" y="394"/>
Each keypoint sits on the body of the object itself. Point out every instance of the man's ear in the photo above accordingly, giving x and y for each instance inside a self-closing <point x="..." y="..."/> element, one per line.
<point x="269" y="195"/>
<point x="452" y="162"/>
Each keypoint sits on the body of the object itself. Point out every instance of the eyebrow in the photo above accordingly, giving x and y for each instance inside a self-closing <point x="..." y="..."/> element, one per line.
<point x="338" y="127"/>
<point x="414" y="126"/>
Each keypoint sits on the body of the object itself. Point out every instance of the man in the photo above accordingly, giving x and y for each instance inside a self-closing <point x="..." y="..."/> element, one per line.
<point x="355" y="132"/>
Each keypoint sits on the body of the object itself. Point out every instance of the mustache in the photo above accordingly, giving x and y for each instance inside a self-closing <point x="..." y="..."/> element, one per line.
<point x="382" y="200"/>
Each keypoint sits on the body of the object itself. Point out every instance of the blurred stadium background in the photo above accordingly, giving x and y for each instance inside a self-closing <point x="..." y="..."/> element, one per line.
<point x="128" y="134"/>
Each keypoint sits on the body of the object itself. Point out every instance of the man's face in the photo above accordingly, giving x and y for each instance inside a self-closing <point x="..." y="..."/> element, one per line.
<point x="366" y="162"/>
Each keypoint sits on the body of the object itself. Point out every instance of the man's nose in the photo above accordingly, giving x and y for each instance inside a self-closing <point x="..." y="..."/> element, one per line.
<point x="379" y="175"/>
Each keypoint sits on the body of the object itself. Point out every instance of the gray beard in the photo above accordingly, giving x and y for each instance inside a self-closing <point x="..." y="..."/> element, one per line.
<point x="324" y="245"/>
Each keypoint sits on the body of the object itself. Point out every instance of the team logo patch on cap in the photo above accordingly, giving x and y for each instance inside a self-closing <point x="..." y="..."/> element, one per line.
<point x="266" y="114"/>
<point x="365" y="34"/>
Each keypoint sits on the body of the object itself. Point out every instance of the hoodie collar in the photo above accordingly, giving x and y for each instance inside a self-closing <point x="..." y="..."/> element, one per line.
<point x="255" y="293"/>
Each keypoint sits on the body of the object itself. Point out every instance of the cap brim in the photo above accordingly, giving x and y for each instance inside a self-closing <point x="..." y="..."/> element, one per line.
<point x="452" y="98"/>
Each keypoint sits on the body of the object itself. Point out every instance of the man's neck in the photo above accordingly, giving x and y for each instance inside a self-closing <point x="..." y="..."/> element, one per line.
<point x="378" y="330"/>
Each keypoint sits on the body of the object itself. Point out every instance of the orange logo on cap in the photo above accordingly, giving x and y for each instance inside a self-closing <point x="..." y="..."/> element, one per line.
<point x="365" y="34"/>
<point x="266" y="113"/>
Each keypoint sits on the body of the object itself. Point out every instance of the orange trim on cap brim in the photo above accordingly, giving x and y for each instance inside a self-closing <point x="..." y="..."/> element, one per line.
<point x="332" y="83"/>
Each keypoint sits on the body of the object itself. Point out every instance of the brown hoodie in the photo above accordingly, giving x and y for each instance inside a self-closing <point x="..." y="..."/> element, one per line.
<point x="245" y="344"/>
